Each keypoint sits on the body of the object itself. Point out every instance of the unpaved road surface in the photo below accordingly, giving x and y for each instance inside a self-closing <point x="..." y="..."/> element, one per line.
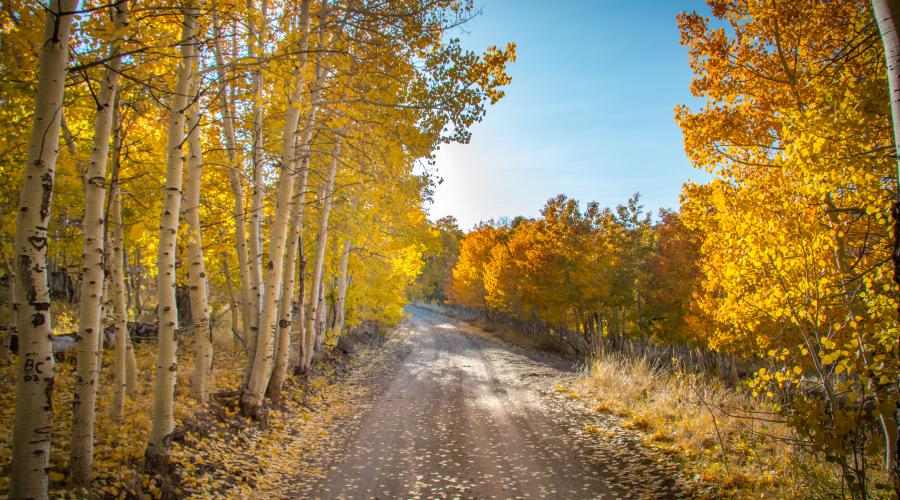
<point x="461" y="416"/>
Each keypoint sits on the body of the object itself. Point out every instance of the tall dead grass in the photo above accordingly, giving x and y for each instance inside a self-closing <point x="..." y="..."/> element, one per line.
<point x="728" y="442"/>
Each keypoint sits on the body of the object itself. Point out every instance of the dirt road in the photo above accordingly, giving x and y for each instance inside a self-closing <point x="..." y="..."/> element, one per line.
<point x="462" y="416"/>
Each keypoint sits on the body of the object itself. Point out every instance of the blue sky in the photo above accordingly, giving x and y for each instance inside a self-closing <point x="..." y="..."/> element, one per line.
<point x="589" y="112"/>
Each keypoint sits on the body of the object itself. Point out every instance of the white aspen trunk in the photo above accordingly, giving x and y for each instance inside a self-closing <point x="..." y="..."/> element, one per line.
<point x="251" y="398"/>
<point x="117" y="271"/>
<point x="166" y="360"/>
<point x="249" y="315"/>
<point x="198" y="287"/>
<point x="285" y="311"/>
<point x="90" y="338"/>
<point x="341" y="289"/>
<point x="35" y="370"/>
<point x="887" y="13"/>
<point x="293" y="251"/>
<point x="257" y="193"/>
<point x="232" y="304"/>
<point x="296" y="352"/>
<point x="122" y="329"/>
<point x="131" y="384"/>
<point x="307" y="337"/>
<point x="256" y="202"/>
<point x="136" y="280"/>
<point x="314" y="307"/>
<point x="305" y="155"/>
<point x="321" y="317"/>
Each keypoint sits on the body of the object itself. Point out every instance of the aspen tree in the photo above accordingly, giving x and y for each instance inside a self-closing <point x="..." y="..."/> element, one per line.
<point x="35" y="371"/>
<point x="251" y="398"/>
<point x="131" y="383"/>
<point x="88" y="349"/>
<point x="286" y="309"/>
<point x="248" y="313"/>
<point x="342" y="283"/>
<point x="166" y="360"/>
<point x="117" y="271"/>
<point x="198" y="287"/>
<point x="256" y="46"/>
<point x="256" y="202"/>
<point x="837" y="350"/>
<point x="887" y="14"/>
<point x="314" y="311"/>
<point x="295" y="243"/>
<point x="129" y="376"/>
<point x="321" y="317"/>
<point x="232" y="304"/>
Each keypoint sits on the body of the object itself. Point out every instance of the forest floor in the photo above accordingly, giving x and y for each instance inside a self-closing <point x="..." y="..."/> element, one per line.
<point x="452" y="412"/>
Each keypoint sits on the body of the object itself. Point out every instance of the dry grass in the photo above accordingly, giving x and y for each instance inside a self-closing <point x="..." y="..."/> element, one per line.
<point x="708" y="426"/>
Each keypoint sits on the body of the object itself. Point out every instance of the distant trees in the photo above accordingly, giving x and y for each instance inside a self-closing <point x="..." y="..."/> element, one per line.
<point x="573" y="270"/>
<point x="435" y="276"/>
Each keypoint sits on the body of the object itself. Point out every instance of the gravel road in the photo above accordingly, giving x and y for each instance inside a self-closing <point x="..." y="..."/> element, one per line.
<point x="461" y="416"/>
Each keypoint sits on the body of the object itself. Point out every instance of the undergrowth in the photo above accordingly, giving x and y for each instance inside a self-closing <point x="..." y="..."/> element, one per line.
<point x="727" y="441"/>
<point x="215" y="452"/>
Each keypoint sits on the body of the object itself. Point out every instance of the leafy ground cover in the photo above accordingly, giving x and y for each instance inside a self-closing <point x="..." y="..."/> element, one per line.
<point x="215" y="452"/>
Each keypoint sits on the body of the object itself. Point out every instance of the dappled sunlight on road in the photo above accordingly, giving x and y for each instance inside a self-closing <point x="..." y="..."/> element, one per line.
<point x="465" y="417"/>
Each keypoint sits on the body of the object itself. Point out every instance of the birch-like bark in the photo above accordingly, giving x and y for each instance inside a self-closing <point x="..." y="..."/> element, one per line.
<point x="249" y="314"/>
<point x="887" y="15"/>
<point x="295" y="248"/>
<point x="342" y="283"/>
<point x="232" y="304"/>
<point x="294" y="244"/>
<point x="88" y="348"/>
<point x="288" y="358"/>
<point x="117" y="272"/>
<point x="131" y="384"/>
<point x="35" y="370"/>
<point x="136" y="278"/>
<point x="256" y="47"/>
<point x="130" y="375"/>
<point x="198" y="287"/>
<point x="295" y="356"/>
<point x="314" y="307"/>
<point x="166" y="360"/>
<point x="251" y="398"/>
<point x="321" y="317"/>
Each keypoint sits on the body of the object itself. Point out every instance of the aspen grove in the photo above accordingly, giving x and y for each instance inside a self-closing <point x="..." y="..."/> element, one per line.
<point x="176" y="165"/>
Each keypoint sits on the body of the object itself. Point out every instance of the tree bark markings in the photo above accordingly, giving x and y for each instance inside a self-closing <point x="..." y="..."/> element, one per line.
<point x="166" y="361"/>
<point x="198" y="286"/>
<point x="92" y="283"/>
<point x="35" y="370"/>
<point x="251" y="398"/>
